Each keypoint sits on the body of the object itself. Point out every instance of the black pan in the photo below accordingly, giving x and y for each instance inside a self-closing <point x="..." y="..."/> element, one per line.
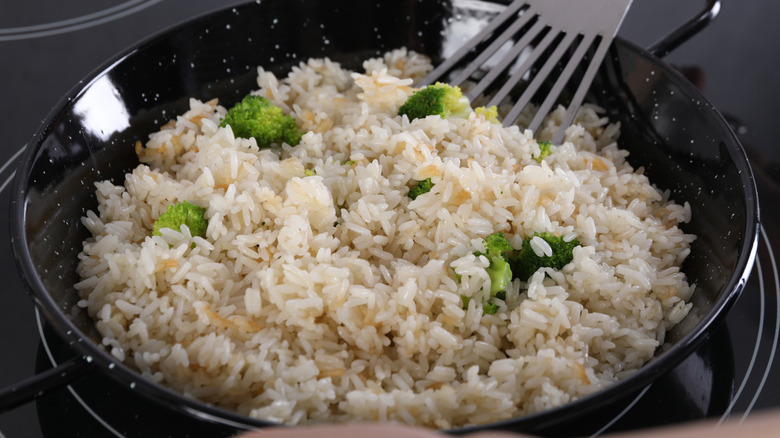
<point x="672" y="131"/>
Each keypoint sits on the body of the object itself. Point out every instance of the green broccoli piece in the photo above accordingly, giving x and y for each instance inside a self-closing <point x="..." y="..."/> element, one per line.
<point x="438" y="99"/>
<point x="497" y="250"/>
<point x="525" y="262"/>
<point x="421" y="187"/>
<point x="489" y="308"/>
<point x="500" y="273"/>
<point x="256" y="116"/>
<point x="508" y="263"/>
<point x="496" y="245"/>
<point x="544" y="147"/>
<point x="182" y="213"/>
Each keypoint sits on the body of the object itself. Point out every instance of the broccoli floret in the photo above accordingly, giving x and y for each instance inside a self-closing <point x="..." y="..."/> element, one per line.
<point x="421" y="187"/>
<point x="438" y="99"/>
<point x="496" y="245"/>
<point x="500" y="273"/>
<point x="488" y="307"/>
<point x="544" y="148"/>
<point x="182" y="213"/>
<point x="525" y="262"/>
<point x="497" y="249"/>
<point x="256" y="116"/>
<point x="507" y="263"/>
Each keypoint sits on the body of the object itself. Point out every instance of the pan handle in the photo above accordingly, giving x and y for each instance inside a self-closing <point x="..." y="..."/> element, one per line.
<point x="678" y="36"/>
<point x="37" y="385"/>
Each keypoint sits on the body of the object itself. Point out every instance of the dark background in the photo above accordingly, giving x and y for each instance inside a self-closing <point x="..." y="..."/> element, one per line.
<point x="48" y="46"/>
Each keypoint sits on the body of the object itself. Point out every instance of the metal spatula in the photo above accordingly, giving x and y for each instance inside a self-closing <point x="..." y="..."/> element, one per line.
<point x="539" y="44"/>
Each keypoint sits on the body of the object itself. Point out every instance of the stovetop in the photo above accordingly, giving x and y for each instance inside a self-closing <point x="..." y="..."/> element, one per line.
<point x="46" y="48"/>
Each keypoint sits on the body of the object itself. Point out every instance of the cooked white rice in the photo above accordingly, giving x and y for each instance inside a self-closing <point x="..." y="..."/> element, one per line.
<point x="333" y="297"/>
